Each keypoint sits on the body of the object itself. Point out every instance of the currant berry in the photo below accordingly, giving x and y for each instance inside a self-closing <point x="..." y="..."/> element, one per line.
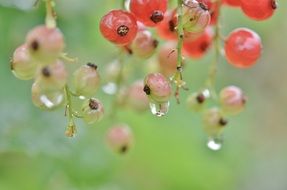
<point x="214" y="122"/>
<point x="198" y="47"/>
<point x="196" y="16"/>
<point x="157" y="87"/>
<point x="212" y="7"/>
<point x="149" y="12"/>
<point x="166" y="29"/>
<point x="120" y="138"/>
<point x="232" y="100"/>
<point x="52" y="76"/>
<point x="86" y="80"/>
<point x="47" y="99"/>
<point x="21" y="64"/>
<point x="233" y="3"/>
<point x="196" y="101"/>
<point x="167" y="58"/>
<point x="45" y="44"/>
<point x="93" y="110"/>
<point x="119" y="27"/>
<point x="258" y="10"/>
<point x="136" y="98"/>
<point x="243" y="47"/>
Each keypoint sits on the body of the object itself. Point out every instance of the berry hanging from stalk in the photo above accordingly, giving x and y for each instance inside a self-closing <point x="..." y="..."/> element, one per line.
<point x="93" y="110"/>
<point x="232" y="100"/>
<point x="259" y="10"/>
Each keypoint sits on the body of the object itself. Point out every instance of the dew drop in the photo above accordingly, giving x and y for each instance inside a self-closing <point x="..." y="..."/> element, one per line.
<point x="214" y="143"/>
<point x="159" y="109"/>
<point x="110" y="88"/>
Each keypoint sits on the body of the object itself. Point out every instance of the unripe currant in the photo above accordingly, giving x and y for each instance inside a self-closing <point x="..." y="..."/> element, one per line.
<point x="157" y="87"/>
<point x="21" y="64"/>
<point x="232" y="100"/>
<point x="136" y="97"/>
<point x="258" y="10"/>
<point x="45" y="44"/>
<point x="86" y="80"/>
<point x="47" y="99"/>
<point x="149" y="12"/>
<point x="93" y="110"/>
<point x="214" y="122"/>
<point x="195" y="16"/>
<point x="120" y="138"/>
<point x="196" y="101"/>
<point x="119" y="27"/>
<point x="52" y="76"/>
<point x="243" y="47"/>
<point x="167" y="58"/>
<point x="167" y="28"/>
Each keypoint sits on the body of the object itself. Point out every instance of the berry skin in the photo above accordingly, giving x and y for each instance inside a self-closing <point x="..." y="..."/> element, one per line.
<point x="157" y="88"/>
<point x="149" y="12"/>
<point x="45" y="44"/>
<point x="196" y="101"/>
<point x="233" y="3"/>
<point x="136" y="98"/>
<point x="21" y="64"/>
<point x="243" y="48"/>
<point x="120" y="138"/>
<point x="93" y="110"/>
<point x="167" y="58"/>
<point x="166" y="29"/>
<point x="198" y="47"/>
<point x="86" y="80"/>
<point x="258" y="10"/>
<point x="52" y="76"/>
<point x="119" y="27"/>
<point x="232" y="100"/>
<point x="214" y="122"/>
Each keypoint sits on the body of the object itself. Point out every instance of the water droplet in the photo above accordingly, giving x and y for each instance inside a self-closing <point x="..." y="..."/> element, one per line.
<point x="159" y="109"/>
<point x="214" y="143"/>
<point x="110" y="88"/>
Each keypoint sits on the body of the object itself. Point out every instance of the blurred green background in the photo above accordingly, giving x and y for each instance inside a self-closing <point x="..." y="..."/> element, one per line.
<point x="170" y="153"/>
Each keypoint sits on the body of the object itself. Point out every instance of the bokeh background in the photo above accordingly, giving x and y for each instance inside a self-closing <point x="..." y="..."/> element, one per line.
<point x="170" y="153"/>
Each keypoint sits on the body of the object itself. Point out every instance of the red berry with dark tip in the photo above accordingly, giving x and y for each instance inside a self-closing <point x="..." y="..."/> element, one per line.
<point x="167" y="28"/>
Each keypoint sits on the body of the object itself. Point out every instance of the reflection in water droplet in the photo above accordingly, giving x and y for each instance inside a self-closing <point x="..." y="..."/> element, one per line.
<point x="159" y="109"/>
<point x="110" y="88"/>
<point x="214" y="143"/>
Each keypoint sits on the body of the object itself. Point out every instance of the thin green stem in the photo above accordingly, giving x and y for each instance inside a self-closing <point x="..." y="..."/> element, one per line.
<point x="71" y="129"/>
<point x="50" y="14"/>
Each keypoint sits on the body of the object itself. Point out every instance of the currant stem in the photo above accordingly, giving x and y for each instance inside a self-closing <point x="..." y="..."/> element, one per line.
<point x="71" y="129"/>
<point x="50" y="14"/>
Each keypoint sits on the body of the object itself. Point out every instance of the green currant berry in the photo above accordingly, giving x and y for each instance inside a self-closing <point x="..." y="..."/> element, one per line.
<point x="93" y="110"/>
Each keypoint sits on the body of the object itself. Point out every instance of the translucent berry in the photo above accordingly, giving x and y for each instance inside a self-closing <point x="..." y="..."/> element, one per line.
<point x="157" y="87"/>
<point x="144" y="44"/>
<point x="93" y="110"/>
<point x="232" y="100"/>
<point x="214" y="122"/>
<point x="233" y="3"/>
<point x="120" y="138"/>
<point x="167" y="58"/>
<point x="167" y="28"/>
<point x="45" y="44"/>
<point x="47" y="99"/>
<point x="149" y="12"/>
<point x="258" y="10"/>
<point x="119" y="27"/>
<point x="243" y="47"/>
<point x="86" y="80"/>
<point x="196" y="101"/>
<point x="196" y="16"/>
<point x="212" y="7"/>
<point x="136" y="97"/>
<point x="196" y="48"/>
<point x="21" y="64"/>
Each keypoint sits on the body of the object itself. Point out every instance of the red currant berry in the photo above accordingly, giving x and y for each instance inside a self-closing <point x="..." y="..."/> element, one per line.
<point x="258" y="10"/>
<point x="119" y="27"/>
<point x="149" y="12"/>
<point x="198" y="47"/>
<point x="233" y="3"/>
<point x="243" y="47"/>
<point x="166" y="29"/>
<point x="232" y="100"/>
<point x="167" y="58"/>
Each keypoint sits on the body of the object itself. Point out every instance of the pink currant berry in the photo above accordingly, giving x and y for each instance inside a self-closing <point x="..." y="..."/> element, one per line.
<point x="198" y="47"/>
<point x="157" y="87"/>
<point x="214" y="122"/>
<point x="45" y="44"/>
<point x="86" y="80"/>
<point x="167" y="28"/>
<point x="52" y="76"/>
<point x="136" y="98"/>
<point x="47" y="99"/>
<point x="119" y="27"/>
<point x="233" y="3"/>
<point x="258" y="10"/>
<point x="21" y="64"/>
<point x="167" y="58"/>
<point x="93" y="110"/>
<point x="149" y="12"/>
<point x="243" y="47"/>
<point x="232" y="100"/>
<point x="120" y="138"/>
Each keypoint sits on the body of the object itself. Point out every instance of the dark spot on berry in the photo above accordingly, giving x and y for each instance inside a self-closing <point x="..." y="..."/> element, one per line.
<point x="204" y="46"/>
<point x="92" y="65"/>
<point x="200" y="98"/>
<point x="157" y="16"/>
<point x="35" y="45"/>
<point x="223" y="122"/>
<point x="274" y="4"/>
<point x="179" y="69"/>
<point x="203" y="6"/>
<point x="123" y="149"/>
<point x="146" y="89"/>
<point x="244" y="100"/>
<point x="11" y="64"/>
<point x="171" y="26"/>
<point x="93" y="104"/>
<point x="155" y="43"/>
<point x="123" y="30"/>
<point x="46" y="72"/>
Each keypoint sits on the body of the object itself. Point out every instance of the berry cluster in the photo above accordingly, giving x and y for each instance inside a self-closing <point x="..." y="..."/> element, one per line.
<point x="188" y="31"/>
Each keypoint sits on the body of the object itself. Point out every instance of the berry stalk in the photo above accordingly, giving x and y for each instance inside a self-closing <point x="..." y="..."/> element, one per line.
<point x="71" y="129"/>
<point x="50" y="14"/>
